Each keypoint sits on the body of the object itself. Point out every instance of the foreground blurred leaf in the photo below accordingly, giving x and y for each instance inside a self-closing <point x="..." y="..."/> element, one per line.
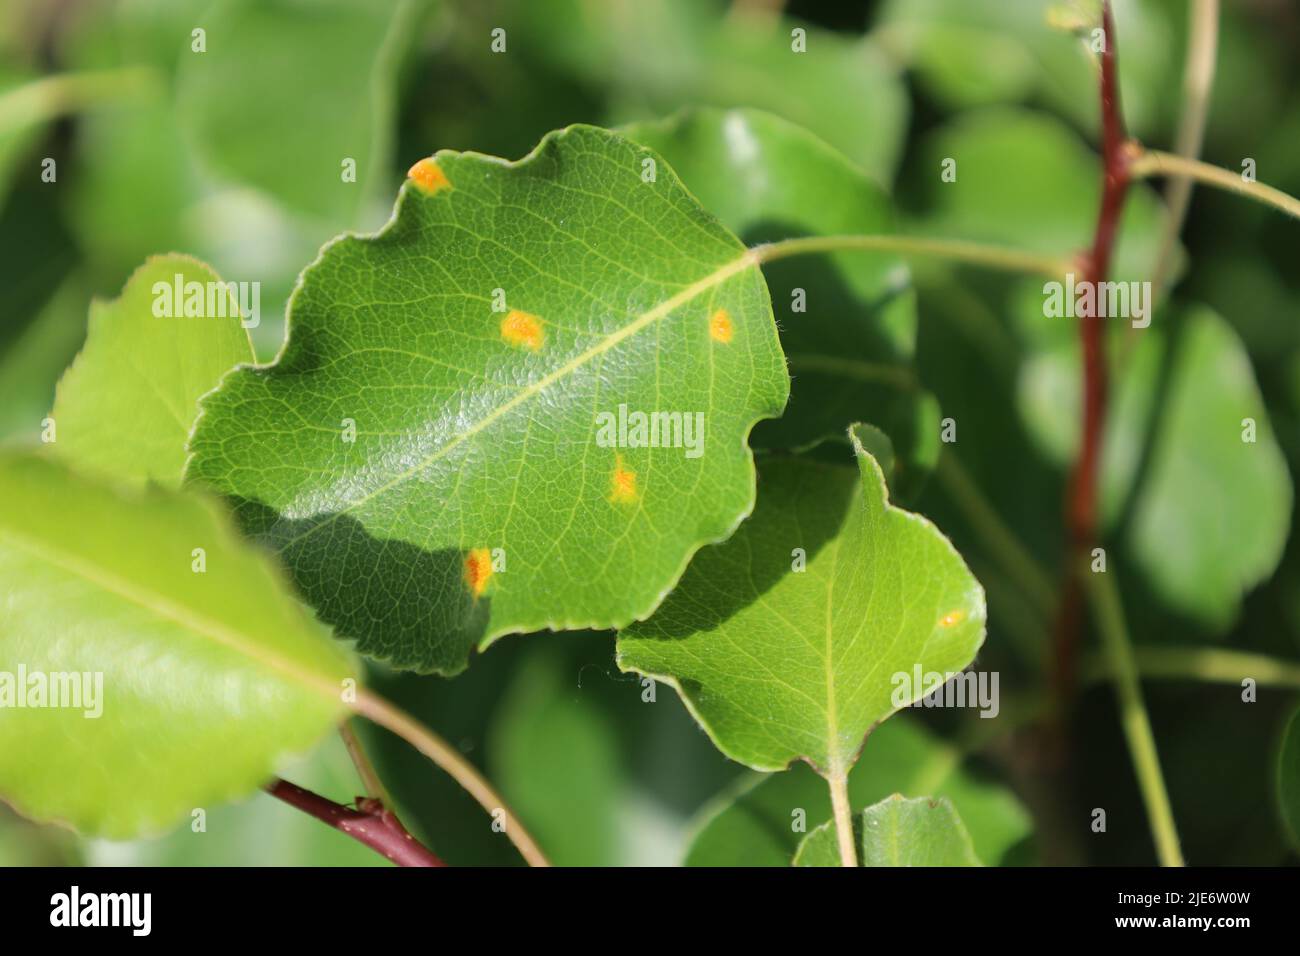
<point x="756" y="827"/>
<point x="207" y="678"/>
<point x="478" y="432"/>
<point x="126" y="407"/>
<point x="897" y="832"/>
<point x="261" y="831"/>
<point x="779" y="664"/>
<point x="848" y="318"/>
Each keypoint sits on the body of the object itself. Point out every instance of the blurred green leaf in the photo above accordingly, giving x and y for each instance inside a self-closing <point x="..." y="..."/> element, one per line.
<point x="896" y="832"/>
<point x="1213" y="516"/>
<point x="655" y="58"/>
<point x="127" y="406"/>
<point x="204" y="679"/>
<point x="557" y="760"/>
<point x="1288" y="778"/>
<point x="333" y="74"/>
<point x="780" y="661"/>
<point x="756" y="827"/>
<point x="1026" y="180"/>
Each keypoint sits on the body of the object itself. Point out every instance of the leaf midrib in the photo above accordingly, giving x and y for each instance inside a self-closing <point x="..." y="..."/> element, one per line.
<point x="162" y="606"/>
<point x="717" y="277"/>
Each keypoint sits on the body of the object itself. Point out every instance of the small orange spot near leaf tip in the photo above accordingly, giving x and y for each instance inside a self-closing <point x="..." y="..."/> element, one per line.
<point x="720" y="326"/>
<point x="520" y="328"/>
<point x="622" y="483"/>
<point x="428" y="175"/>
<point x="478" y="569"/>
<point x="952" y="618"/>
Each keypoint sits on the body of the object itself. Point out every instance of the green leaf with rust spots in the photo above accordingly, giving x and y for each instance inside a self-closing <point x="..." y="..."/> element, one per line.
<point x="763" y="823"/>
<point x="207" y="678"/>
<point x="484" y="347"/>
<point x="779" y="664"/>
<point x="127" y="405"/>
<point x="896" y="832"/>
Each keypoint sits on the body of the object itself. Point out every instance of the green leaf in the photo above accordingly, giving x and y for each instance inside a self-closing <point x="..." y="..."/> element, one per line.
<point x="323" y="83"/>
<point x="207" y="678"/>
<point x="728" y="61"/>
<point x="556" y="757"/>
<point x="975" y="52"/>
<point x="127" y="405"/>
<point x="1212" y="518"/>
<point x="1027" y="181"/>
<point x="480" y="496"/>
<point x="757" y="826"/>
<point x="897" y="832"/>
<point x="848" y="319"/>
<point x="778" y="664"/>
<point x="1288" y="778"/>
<point x="1212" y="511"/>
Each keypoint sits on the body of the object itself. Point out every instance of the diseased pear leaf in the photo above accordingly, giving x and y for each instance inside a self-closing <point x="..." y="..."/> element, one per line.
<point x="896" y="832"/>
<point x="127" y="405"/>
<point x="203" y="670"/>
<point x="778" y="663"/>
<point x="757" y="826"/>
<point x="445" y="452"/>
<point x="848" y="319"/>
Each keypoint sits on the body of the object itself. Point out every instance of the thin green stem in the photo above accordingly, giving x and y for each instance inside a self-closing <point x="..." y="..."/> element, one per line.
<point x="370" y="782"/>
<point x="1001" y="541"/>
<point x="388" y="716"/>
<point x="957" y="250"/>
<point x="1198" y="82"/>
<point x="1151" y="162"/>
<point x="839" y="785"/>
<point x="1209" y="664"/>
<point x="1133" y="716"/>
<point x="53" y="96"/>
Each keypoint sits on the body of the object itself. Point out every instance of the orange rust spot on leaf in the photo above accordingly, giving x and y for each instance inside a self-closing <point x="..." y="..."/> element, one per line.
<point x="429" y="176"/>
<point x="720" y="327"/>
<point x="952" y="618"/>
<point x="622" y="483"/>
<point x="520" y="328"/>
<point x="478" y="569"/>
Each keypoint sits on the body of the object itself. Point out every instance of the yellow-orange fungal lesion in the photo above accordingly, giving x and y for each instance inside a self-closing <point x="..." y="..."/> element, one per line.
<point x="428" y="175"/>
<point x="478" y="570"/>
<point x="720" y="328"/>
<point x="952" y="618"/>
<point x="622" y="483"/>
<point x="523" y="329"/>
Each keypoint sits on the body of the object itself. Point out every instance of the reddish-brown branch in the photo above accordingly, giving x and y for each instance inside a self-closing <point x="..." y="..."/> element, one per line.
<point x="1081" y="508"/>
<point x="371" y="823"/>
